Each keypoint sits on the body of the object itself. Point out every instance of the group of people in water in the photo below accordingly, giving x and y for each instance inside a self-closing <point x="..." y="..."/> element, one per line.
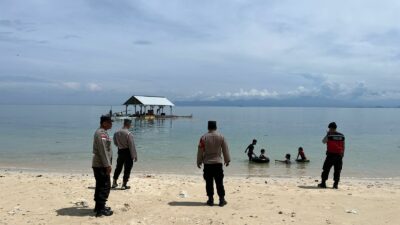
<point x="262" y="158"/>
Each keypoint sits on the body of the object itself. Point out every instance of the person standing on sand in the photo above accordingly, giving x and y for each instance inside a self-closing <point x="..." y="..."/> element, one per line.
<point x="123" y="139"/>
<point x="335" y="146"/>
<point x="211" y="147"/>
<point x="101" y="164"/>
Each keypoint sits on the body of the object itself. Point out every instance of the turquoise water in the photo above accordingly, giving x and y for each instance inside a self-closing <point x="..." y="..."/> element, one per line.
<point x="59" y="138"/>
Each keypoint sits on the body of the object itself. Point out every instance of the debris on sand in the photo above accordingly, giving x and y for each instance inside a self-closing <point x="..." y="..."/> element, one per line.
<point x="352" y="211"/>
<point x="183" y="194"/>
<point x="81" y="203"/>
<point x="126" y="207"/>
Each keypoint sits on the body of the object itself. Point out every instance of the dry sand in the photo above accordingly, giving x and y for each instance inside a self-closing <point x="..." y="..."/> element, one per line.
<point x="56" y="198"/>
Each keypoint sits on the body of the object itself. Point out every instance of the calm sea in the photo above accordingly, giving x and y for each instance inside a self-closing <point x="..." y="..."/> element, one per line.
<point x="59" y="138"/>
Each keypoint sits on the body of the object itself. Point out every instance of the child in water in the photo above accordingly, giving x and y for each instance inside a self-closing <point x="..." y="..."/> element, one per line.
<point x="250" y="149"/>
<point x="262" y="155"/>
<point x="287" y="159"/>
<point x="301" y="154"/>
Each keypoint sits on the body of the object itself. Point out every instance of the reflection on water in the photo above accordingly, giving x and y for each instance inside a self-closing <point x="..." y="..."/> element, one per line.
<point x="143" y="123"/>
<point x="257" y="169"/>
<point x="273" y="168"/>
<point x="301" y="166"/>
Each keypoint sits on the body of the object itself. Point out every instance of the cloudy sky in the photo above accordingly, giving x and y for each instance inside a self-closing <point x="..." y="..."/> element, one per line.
<point x="103" y="51"/>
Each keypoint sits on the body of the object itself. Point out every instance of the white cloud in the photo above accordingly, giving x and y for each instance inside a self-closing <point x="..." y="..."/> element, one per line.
<point x="72" y="85"/>
<point x="326" y="89"/>
<point x="94" y="87"/>
<point x="246" y="94"/>
<point x="302" y="91"/>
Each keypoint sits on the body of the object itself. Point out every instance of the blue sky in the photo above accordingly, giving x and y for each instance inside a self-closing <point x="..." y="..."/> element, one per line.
<point x="103" y="51"/>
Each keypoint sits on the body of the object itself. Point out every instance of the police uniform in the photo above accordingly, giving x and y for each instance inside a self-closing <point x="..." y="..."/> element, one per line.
<point x="335" y="145"/>
<point x="211" y="147"/>
<point x="102" y="159"/>
<point x="123" y="139"/>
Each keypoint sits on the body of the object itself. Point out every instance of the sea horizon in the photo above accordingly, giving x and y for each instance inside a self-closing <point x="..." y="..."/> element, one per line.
<point x="222" y="106"/>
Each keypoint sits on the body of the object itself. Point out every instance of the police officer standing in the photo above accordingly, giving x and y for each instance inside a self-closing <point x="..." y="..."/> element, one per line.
<point x="123" y="139"/>
<point x="211" y="147"/>
<point x="101" y="164"/>
<point x="335" y="146"/>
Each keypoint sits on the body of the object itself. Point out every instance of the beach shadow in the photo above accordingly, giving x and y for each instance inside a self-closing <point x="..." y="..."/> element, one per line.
<point x="187" y="203"/>
<point x="309" y="187"/>
<point x="112" y="189"/>
<point x="119" y="189"/>
<point x="75" y="211"/>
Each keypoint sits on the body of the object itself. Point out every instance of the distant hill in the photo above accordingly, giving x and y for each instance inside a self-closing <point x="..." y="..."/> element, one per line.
<point x="291" y="102"/>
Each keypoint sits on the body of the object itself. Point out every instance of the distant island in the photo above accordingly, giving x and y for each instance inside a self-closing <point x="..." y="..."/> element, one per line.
<point x="290" y="102"/>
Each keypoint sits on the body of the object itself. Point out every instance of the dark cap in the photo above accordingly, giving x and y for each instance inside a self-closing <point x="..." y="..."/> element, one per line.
<point x="105" y="119"/>
<point x="127" y="121"/>
<point x="212" y="125"/>
<point x="332" y="125"/>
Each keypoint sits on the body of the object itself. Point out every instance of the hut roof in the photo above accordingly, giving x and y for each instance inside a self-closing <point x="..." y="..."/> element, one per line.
<point x="148" y="101"/>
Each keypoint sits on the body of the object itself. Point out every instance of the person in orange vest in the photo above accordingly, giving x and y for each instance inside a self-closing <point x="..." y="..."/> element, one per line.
<point x="335" y="145"/>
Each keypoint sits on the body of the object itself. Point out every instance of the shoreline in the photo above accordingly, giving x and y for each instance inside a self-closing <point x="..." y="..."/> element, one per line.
<point x="200" y="172"/>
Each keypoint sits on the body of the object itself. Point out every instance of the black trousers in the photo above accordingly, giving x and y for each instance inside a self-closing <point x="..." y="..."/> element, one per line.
<point x="337" y="163"/>
<point x="103" y="186"/>
<point x="124" y="160"/>
<point x="214" y="172"/>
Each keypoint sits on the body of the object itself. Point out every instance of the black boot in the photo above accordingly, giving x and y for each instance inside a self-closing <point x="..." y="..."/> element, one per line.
<point x="104" y="212"/>
<point x="106" y="208"/>
<point x="335" y="185"/>
<point x="114" y="184"/>
<point x="125" y="186"/>
<point x="222" y="202"/>
<point x="210" y="201"/>
<point x="322" y="184"/>
<point x="96" y="208"/>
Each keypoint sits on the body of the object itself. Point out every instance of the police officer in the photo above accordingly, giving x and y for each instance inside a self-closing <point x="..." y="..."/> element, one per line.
<point x="123" y="139"/>
<point x="101" y="164"/>
<point x="211" y="147"/>
<point x="335" y="146"/>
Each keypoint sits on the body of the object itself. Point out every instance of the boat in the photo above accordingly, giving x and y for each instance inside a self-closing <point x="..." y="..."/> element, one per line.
<point x="259" y="160"/>
<point x="302" y="160"/>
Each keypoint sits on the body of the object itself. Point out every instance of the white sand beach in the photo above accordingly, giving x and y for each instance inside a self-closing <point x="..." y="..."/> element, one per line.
<point x="56" y="198"/>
